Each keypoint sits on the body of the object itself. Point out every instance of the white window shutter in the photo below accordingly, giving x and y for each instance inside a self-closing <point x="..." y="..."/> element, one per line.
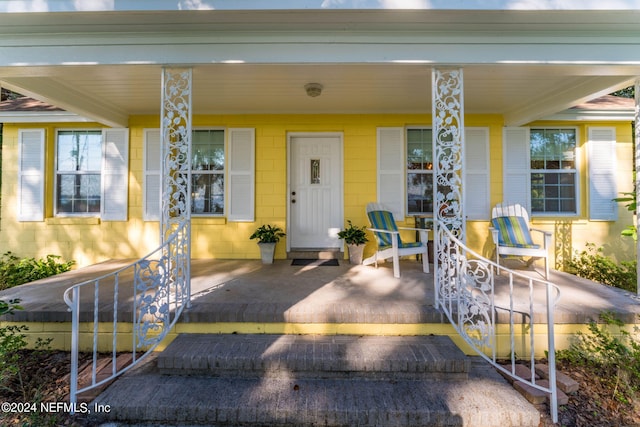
<point x="152" y="191"/>
<point x="516" y="167"/>
<point x="115" y="174"/>
<point x="241" y="175"/>
<point x="391" y="172"/>
<point x="31" y="175"/>
<point x="476" y="183"/>
<point x="602" y="174"/>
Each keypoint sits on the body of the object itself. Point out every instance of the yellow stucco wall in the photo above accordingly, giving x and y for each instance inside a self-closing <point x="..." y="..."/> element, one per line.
<point x="89" y="240"/>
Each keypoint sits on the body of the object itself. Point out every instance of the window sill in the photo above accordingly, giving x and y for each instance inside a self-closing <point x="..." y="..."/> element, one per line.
<point x="208" y="220"/>
<point x="73" y="221"/>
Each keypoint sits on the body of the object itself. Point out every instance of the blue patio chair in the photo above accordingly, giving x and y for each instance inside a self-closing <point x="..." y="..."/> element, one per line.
<point x="511" y="234"/>
<point x="390" y="245"/>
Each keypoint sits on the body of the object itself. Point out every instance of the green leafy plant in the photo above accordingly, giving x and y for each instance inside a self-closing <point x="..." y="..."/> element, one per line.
<point x="630" y="199"/>
<point x="12" y="339"/>
<point x="16" y="271"/>
<point x="613" y="351"/>
<point x="353" y="235"/>
<point x="593" y="265"/>
<point x="268" y="234"/>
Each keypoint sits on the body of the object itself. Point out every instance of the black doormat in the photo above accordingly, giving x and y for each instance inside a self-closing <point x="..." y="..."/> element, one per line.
<point x="317" y="262"/>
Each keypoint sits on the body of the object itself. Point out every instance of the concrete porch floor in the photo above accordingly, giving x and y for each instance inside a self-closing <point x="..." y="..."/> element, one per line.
<point x="248" y="291"/>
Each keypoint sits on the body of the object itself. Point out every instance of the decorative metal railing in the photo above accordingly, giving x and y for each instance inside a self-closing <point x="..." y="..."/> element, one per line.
<point x="465" y="285"/>
<point x="161" y="282"/>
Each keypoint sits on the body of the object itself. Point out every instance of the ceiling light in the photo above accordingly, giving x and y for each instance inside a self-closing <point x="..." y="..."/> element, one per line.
<point x="313" y="89"/>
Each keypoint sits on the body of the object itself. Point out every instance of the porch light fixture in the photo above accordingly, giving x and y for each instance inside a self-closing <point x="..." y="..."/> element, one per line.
<point x="313" y="89"/>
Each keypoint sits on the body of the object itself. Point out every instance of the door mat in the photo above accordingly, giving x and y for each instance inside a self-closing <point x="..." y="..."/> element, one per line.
<point x="316" y="262"/>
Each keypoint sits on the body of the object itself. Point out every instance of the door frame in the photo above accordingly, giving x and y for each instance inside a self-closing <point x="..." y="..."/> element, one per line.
<point x="340" y="137"/>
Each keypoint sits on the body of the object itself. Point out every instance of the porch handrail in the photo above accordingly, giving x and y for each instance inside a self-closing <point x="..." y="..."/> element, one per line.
<point x="465" y="291"/>
<point x="161" y="290"/>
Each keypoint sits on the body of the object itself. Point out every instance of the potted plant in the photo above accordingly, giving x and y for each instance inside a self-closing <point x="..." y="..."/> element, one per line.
<point x="268" y="235"/>
<point x="355" y="238"/>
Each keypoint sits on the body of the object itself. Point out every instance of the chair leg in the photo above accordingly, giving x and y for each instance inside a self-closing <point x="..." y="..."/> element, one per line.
<point x="396" y="258"/>
<point x="546" y="268"/>
<point x="425" y="260"/>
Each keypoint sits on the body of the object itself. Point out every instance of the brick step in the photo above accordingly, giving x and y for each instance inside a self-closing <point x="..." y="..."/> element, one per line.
<point x="147" y="397"/>
<point x="315" y="356"/>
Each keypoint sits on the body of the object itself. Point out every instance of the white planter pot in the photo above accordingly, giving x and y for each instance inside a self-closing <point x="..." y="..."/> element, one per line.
<point x="267" y="251"/>
<point x="355" y="254"/>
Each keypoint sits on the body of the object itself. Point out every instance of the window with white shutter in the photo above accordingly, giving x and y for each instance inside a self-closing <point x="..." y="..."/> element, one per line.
<point x="391" y="170"/>
<point x="31" y="145"/>
<point x="516" y="178"/>
<point x="222" y="177"/>
<point x="241" y="175"/>
<point x="602" y="174"/>
<point x="540" y="170"/>
<point x="115" y="175"/>
<point x="476" y="182"/>
<point x="152" y="192"/>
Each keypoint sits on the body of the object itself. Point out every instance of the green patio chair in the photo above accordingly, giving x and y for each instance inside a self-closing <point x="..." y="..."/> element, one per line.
<point x="511" y="234"/>
<point x="390" y="245"/>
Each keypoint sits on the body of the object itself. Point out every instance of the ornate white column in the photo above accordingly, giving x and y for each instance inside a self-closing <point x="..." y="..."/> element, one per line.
<point x="448" y="146"/>
<point x="175" y="135"/>
<point x="448" y="156"/>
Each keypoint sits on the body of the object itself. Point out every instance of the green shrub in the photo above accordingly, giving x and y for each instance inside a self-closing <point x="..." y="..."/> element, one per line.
<point x="616" y="358"/>
<point x="592" y="265"/>
<point x="12" y="340"/>
<point x="15" y="271"/>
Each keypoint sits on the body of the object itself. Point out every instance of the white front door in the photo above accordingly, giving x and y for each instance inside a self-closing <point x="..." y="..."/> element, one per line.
<point x="315" y="191"/>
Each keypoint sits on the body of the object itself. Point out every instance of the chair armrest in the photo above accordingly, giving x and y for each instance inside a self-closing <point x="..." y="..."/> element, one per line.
<point x="413" y="229"/>
<point x="379" y="230"/>
<point x="547" y="236"/>
<point x="546" y="233"/>
<point x="424" y="232"/>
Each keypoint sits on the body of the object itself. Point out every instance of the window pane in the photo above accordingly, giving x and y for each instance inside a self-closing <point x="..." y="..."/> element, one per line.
<point x="207" y="150"/>
<point x="207" y="193"/>
<point x="553" y="192"/>
<point x="553" y="159"/>
<point x="553" y="148"/>
<point x="79" y="151"/>
<point x="420" y="192"/>
<point x="78" y="193"/>
<point x="419" y="149"/>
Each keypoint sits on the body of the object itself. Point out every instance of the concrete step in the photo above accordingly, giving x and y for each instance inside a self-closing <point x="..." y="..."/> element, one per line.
<point x="302" y="380"/>
<point x="145" y="397"/>
<point x="315" y="356"/>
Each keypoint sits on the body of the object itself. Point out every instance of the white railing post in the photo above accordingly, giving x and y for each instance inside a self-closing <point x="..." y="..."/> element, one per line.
<point x="74" y="306"/>
<point x="466" y="293"/>
<point x="155" y="288"/>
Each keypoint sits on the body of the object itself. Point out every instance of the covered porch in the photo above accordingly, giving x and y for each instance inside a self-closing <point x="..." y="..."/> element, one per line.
<point x="246" y="296"/>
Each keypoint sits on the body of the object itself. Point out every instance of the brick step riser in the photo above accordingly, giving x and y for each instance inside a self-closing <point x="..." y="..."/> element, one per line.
<point x="355" y="357"/>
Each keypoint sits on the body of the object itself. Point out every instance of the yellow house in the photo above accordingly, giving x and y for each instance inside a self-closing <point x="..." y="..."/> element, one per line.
<point x="299" y="116"/>
<point x="573" y="165"/>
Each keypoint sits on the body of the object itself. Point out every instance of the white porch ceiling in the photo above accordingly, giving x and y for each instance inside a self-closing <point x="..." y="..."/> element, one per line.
<point x="111" y="94"/>
<point x="523" y="65"/>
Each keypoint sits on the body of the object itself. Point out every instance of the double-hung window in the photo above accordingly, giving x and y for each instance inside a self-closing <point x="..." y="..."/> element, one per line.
<point x="553" y="171"/>
<point x="419" y="171"/>
<point x="222" y="173"/>
<point x="207" y="172"/>
<point x="78" y="172"/>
